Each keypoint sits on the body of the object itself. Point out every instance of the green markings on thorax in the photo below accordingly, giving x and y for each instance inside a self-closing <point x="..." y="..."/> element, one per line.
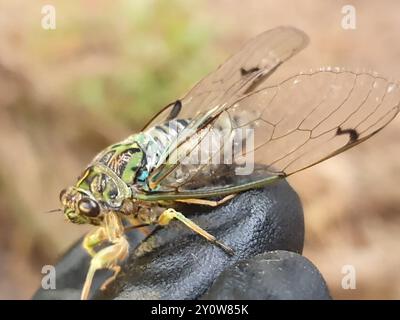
<point x="109" y="176"/>
<point x="125" y="160"/>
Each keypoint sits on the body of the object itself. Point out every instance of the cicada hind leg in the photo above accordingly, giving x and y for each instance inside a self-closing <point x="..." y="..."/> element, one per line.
<point x="205" y="202"/>
<point x="170" y="214"/>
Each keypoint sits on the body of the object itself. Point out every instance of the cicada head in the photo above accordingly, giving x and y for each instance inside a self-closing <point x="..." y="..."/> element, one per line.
<point x="80" y="206"/>
<point x="95" y="193"/>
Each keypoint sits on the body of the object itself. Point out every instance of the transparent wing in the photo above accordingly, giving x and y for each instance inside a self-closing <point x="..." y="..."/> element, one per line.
<point x="239" y="74"/>
<point x="276" y="131"/>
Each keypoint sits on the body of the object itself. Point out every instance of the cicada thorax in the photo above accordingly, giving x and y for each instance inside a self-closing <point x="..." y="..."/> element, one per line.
<point x="109" y="176"/>
<point x="125" y="160"/>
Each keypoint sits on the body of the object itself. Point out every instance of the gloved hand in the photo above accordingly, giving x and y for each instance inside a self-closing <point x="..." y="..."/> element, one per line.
<point x="265" y="227"/>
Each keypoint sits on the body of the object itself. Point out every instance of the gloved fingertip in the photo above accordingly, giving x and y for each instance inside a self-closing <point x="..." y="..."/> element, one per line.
<point x="275" y="275"/>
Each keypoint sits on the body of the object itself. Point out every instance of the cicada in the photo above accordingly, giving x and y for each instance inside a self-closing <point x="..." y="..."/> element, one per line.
<point x="231" y="132"/>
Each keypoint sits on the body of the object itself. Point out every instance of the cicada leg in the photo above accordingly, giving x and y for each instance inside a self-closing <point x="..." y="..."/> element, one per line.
<point x="206" y="202"/>
<point x="94" y="238"/>
<point x="170" y="214"/>
<point x="116" y="270"/>
<point x="107" y="258"/>
<point x="137" y="224"/>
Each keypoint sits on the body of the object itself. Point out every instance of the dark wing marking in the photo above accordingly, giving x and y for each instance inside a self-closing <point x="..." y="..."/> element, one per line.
<point x="176" y="109"/>
<point x="353" y="134"/>
<point x="245" y="72"/>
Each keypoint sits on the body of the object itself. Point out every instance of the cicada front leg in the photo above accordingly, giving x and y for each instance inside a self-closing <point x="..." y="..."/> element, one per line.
<point x="109" y="257"/>
<point x="94" y="238"/>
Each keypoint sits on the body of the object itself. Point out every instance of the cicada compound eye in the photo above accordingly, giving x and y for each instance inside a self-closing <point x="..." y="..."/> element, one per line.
<point x="88" y="207"/>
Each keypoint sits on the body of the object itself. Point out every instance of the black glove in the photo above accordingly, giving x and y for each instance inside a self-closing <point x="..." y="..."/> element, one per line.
<point x="175" y="263"/>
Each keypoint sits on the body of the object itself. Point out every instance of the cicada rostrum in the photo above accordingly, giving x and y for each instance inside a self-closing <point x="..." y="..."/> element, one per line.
<point x="231" y="124"/>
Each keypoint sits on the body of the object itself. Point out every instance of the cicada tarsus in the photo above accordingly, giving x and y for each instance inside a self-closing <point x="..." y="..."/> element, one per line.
<point x="287" y="127"/>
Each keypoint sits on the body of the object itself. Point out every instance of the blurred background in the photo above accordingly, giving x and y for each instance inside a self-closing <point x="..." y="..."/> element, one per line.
<point x="67" y="93"/>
